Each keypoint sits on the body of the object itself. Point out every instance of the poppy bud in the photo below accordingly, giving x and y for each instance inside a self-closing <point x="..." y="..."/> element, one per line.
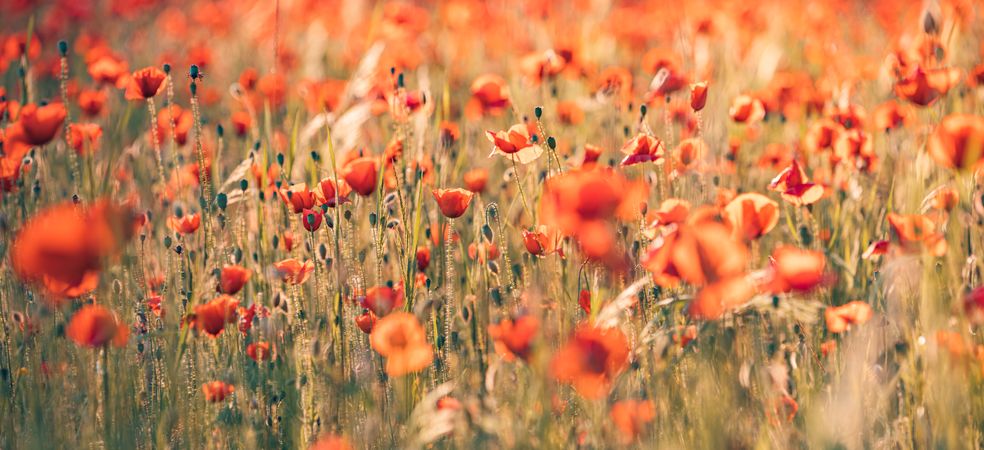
<point x="63" y="48"/>
<point x="167" y="68"/>
<point x="538" y="111"/>
<point x="193" y="72"/>
<point x="222" y="200"/>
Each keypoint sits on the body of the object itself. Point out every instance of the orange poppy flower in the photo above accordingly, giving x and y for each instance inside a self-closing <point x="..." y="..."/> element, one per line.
<point x="294" y="271"/>
<point x="917" y="231"/>
<point x="91" y="101"/>
<point x="476" y="179"/>
<point x="543" y="241"/>
<point x="233" y="278"/>
<point x="212" y="317"/>
<point x="923" y="86"/>
<point x="63" y="247"/>
<point x="945" y="199"/>
<point x="699" y="253"/>
<point x="453" y="202"/>
<point x="746" y="109"/>
<point x="95" y="326"/>
<point x="145" y="83"/>
<point x="483" y="251"/>
<point x="366" y="321"/>
<point x="794" y="269"/>
<point x="38" y="125"/>
<point x="84" y="137"/>
<point x="186" y="224"/>
<point x="958" y="142"/>
<point x="490" y="95"/>
<point x="449" y="133"/>
<point x="792" y="184"/>
<point x="326" y="193"/>
<point x="383" y="299"/>
<point x="591" y="360"/>
<point x="401" y="339"/>
<point x="591" y="154"/>
<point x="751" y="215"/>
<point x="892" y="114"/>
<point x="689" y="151"/>
<point x="840" y="318"/>
<point x="361" y="174"/>
<point x="570" y="113"/>
<point x="517" y="143"/>
<point x="108" y="69"/>
<point x="513" y="337"/>
<point x="632" y="416"/>
<point x="539" y="65"/>
<point x="298" y="197"/>
<point x="241" y="122"/>
<point x="642" y="148"/>
<point x="615" y="82"/>
<point x="259" y="351"/>
<point x="671" y="211"/>
<point x="331" y="442"/>
<point x="718" y="298"/>
<point x="216" y="391"/>
<point x="698" y="95"/>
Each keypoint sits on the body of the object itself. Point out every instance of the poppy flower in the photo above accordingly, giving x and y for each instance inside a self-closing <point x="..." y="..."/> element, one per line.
<point x="382" y="299"/>
<point x="233" y="278"/>
<point x="453" y="202"/>
<point x="923" y="86"/>
<point x="145" y="83"/>
<point x="311" y="219"/>
<point x="476" y="179"/>
<point x="361" y="174"/>
<point x="63" y="247"/>
<point x="513" y="337"/>
<point x="298" y="197"/>
<point x="246" y="316"/>
<point x="746" y="109"/>
<point x="186" y="224"/>
<point x="258" y="351"/>
<point x="632" y="416"/>
<point x="875" y="249"/>
<point x="570" y="113"/>
<point x="718" y="298"/>
<point x="401" y="339"/>
<point x="542" y="241"/>
<point x="490" y="95"/>
<point x="840" y="318"/>
<point x="917" y="231"/>
<point x="108" y="69"/>
<point x="945" y="199"/>
<point x="517" y="143"/>
<point x="326" y="192"/>
<point x="699" y="253"/>
<point x="958" y="142"/>
<point x="95" y="326"/>
<point x="642" y="148"/>
<point x="84" y="137"/>
<point x="891" y="115"/>
<point x="591" y="154"/>
<point x="483" y="251"/>
<point x="366" y="321"/>
<point x="91" y="101"/>
<point x="217" y="391"/>
<point x="294" y="271"/>
<point x="212" y="317"/>
<point x="671" y="211"/>
<point x="795" y="269"/>
<point x="40" y="124"/>
<point x="584" y="301"/>
<point x="751" y="215"/>
<point x="698" y="95"/>
<point x="591" y="360"/>
<point x="614" y="82"/>
<point x="537" y="66"/>
<point x="449" y="133"/>
<point x="423" y="258"/>
<point x="331" y="442"/>
<point x="794" y="187"/>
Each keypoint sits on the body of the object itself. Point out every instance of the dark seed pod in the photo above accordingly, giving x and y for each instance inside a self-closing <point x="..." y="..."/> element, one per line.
<point x="488" y="233"/>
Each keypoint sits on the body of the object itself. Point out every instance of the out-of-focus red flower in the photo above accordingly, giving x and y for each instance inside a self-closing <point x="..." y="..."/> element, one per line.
<point x="698" y="95"/>
<point x="212" y="317"/>
<point x="362" y="174"/>
<point x="84" y="137"/>
<point x="923" y="86"/>
<point x="401" y="339"/>
<point x="259" y="351"/>
<point x="591" y="360"/>
<point x="699" y="253"/>
<point x="516" y="143"/>
<point x="747" y="109"/>
<point x="513" y="337"/>
<point x="95" y="326"/>
<point x="794" y="187"/>
<point x="233" y="278"/>
<point x="915" y="232"/>
<point x="294" y="271"/>
<point x="476" y="179"/>
<point x="720" y="297"/>
<point x="632" y="416"/>
<point x="490" y="96"/>
<point x="366" y="321"/>
<point x="543" y="241"/>
<point x="383" y="299"/>
<point x="840" y="318"/>
<point x="331" y="442"/>
<point x="186" y="224"/>
<point x="751" y="215"/>
<point x="217" y="391"/>
<point x="423" y="258"/>
<point x="958" y="142"/>
<point x="642" y="148"/>
<point x="795" y="269"/>
<point x="298" y="197"/>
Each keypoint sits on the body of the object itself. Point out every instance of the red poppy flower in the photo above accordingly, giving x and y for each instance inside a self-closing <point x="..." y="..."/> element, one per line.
<point x="216" y="391"/>
<point x="366" y="321"/>
<point x="401" y="339"/>
<point x="311" y="219"/>
<point x="698" y="95"/>
<point x="543" y="241"/>
<point x="145" y="83"/>
<point x="294" y="271"/>
<point x="212" y="317"/>
<point x="747" y="109"/>
<point x="923" y="86"/>
<point x="186" y="224"/>
<point x="794" y="269"/>
<point x="84" y="137"/>
<point x="517" y="143"/>
<point x="792" y="184"/>
<point x="632" y="416"/>
<point x="840" y="318"/>
<point x="591" y="360"/>
<point x="453" y="202"/>
<point x="490" y="95"/>
<point x="642" y="148"/>
<point x="361" y="174"/>
<point x="233" y="278"/>
<point x="331" y="442"/>
<point x="423" y="258"/>
<point x="40" y="124"/>
<point x="91" y="102"/>
<point x="718" y="298"/>
<point x="751" y="215"/>
<point x="259" y="351"/>
<point x="699" y="253"/>
<point x="916" y="231"/>
<point x="476" y="179"/>
<point x="298" y="197"/>
<point x="958" y="142"/>
<point x="382" y="299"/>
<point x="513" y="337"/>
<point x="95" y="326"/>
